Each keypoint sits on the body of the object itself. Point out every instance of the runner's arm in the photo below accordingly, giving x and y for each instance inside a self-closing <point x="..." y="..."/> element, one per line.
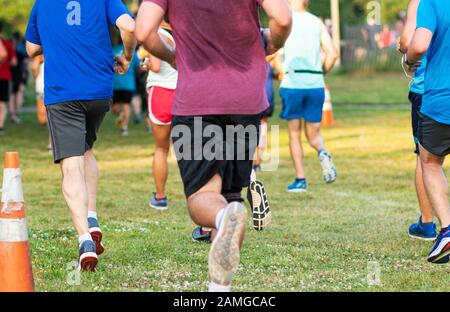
<point x="126" y="25"/>
<point x="33" y="50"/>
<point x="331" y="54"/>
<point x="149" y="19"/>
<point x="410" y="26"/>
<point x="280" y="23"/>
<point x="3" y="53"/>
<point x="419" y="45"/>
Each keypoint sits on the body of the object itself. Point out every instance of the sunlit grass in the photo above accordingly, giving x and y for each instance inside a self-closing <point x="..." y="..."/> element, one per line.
<point x="319" y="241"/>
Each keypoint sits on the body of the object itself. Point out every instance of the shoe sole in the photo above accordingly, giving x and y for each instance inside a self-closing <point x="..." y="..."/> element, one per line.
<point x="262" y="216"/>
<point x="88" y="262"/>
<point x="445" y="253"/>
<point x="158" y="208"/>
<point x="224" y="255"/>
<point x="422" y="238"/>
<point x="296" y="191"/>
<point x="97" y="237"/>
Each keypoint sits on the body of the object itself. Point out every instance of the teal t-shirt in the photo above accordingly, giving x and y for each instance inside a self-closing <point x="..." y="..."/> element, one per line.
<point x="126" y="82"/>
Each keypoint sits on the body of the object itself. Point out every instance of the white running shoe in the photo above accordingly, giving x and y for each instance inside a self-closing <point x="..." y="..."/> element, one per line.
<point x="225" y="252"/>
<point x="328" y="169"/>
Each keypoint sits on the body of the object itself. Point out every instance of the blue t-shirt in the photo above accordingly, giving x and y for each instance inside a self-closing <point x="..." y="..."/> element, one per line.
<point x="76" y="42"/>
<point x="126" y="82"/>
<point x="418" y="84"/>
<point x="434" y="15"/>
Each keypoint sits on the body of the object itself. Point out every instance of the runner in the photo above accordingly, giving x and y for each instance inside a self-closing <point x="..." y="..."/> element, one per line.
<point x="303" y="89"/>
<point x="433" y="35"/>
<point x="5" y="78"/>
<point x="161" y="84"/>
<point x="37" y="69"/>
<point x="79" y="73"/>
<point x="424" y="229"/>
<point x="20" y="77"/>
<point x="267" y="114"/>
<point x="210" y="69"/>
<point x="124" y="88"/>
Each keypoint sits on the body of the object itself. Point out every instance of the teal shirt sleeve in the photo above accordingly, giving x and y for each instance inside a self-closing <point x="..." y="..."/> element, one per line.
<point x="426" y="16"/>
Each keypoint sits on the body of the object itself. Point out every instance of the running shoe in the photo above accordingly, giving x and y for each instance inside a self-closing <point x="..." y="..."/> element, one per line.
<point x="2" y="132"/>
<point x="124" y="131"/>
<point x="328" y="169"/>
<point x="158" y="203"/>
<point x="298" y="186"/>
<point x="257" y="197"/>
<point x="200" y="235"/>
<point x="96" y="234"/>
<point x="225" y="253"/>
<point x="423" y="231"/>
<point x="88" y="257"/>
<point x="441" y="249"/>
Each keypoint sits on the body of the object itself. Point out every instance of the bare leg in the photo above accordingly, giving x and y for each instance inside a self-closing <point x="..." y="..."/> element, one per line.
<point x="424" y="203"/>
<point x="295" y="144"/>
<point x="160" y="166"/>
<point x="206" y="203"/>
<point x="91" y="177"/>
<point x="126" y="115"/>
<point x="2" y="114"/>
<point x="75" y="191"/>
<point x="436" y="185"/>
<point x="313" y="135"/>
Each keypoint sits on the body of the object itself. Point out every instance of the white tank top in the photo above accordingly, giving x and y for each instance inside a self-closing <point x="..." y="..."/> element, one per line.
<point x="167" y="76"/>
<point x="302" y="53"/>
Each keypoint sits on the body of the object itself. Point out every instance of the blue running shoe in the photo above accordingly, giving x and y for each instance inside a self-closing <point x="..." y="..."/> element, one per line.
<point x="423" y="231"/>
<point x="88" y="257"/>
<point x="200" y="235"/>
<point x="96" y="234"/>
<point x="441" y="249"/>
<point x="160" y="204"/>
<point x="299" y="185"/>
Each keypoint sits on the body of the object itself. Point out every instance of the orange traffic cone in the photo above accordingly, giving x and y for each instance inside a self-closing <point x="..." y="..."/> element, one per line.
<point x="15" y="265"/>
<point x="327" y="114"/>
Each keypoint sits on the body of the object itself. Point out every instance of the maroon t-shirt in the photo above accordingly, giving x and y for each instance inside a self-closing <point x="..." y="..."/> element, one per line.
<point x="220" y="56"/>
<point x="5" y="71"/>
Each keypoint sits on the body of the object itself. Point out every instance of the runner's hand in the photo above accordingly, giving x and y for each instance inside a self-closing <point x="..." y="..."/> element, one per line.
<point x="121" y="65"/>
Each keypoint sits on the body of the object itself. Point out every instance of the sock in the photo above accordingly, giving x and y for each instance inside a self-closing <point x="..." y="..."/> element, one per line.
<point x="443" y="230"/>
<point x="92" y="214"/>
<point x="322" y="151"/>
<point x="253" y="175"/>
<point x="219" y="217"/>
<point x="160" y="197"/>
<point x="297" y="180"/>
<point x="84" y="237"/>
<point x="213" y="287"/>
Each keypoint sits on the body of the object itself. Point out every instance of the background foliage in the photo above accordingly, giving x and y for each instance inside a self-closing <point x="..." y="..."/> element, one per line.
<point x="15" y="13"/>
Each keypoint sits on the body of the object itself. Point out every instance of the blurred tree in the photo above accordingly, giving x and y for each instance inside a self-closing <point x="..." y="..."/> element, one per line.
<point x="15" y="12"/>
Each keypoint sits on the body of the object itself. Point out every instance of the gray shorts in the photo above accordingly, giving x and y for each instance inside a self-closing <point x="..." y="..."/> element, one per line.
<point x="74" y="126"/>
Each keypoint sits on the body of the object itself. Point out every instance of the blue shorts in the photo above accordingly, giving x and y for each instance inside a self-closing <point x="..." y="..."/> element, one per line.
<point x="302" y="104"/>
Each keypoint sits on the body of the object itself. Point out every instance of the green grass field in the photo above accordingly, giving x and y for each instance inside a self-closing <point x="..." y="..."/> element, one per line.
<point x="324" y="240"/>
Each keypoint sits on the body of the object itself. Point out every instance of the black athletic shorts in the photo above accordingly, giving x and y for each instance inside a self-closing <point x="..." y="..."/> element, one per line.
<point x="122" y="96"/>
<point x="434" y="136"/>
<point x="4" y="90"/>
<point x="74" y="126"/>
<point x="201" y="157"/>
<point x="416" y="104"/>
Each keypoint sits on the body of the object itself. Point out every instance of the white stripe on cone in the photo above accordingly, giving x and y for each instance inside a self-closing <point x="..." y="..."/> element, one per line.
<point x="13" y="230"/>
<point x="12" y="186"/>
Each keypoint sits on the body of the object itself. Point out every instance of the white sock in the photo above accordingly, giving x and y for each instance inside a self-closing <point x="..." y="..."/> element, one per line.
<point x="84" y="237"/>
<point x="253" y="175"/>
<point x="219" y="217"/>
<point x="213" y="287"/>
<point x="92" y="214"/>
